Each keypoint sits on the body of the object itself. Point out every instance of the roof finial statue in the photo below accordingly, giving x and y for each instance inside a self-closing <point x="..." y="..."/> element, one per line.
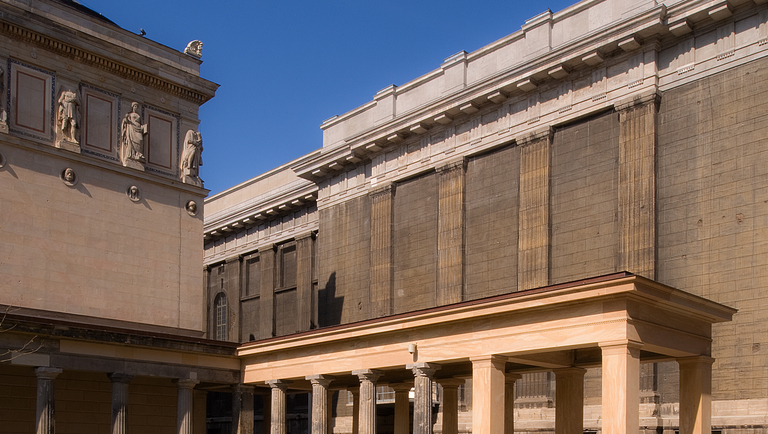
<point x="194" y="48"/>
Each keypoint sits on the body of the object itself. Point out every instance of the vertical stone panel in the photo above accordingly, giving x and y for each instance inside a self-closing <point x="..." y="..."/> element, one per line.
<point x="232" y="280"/>
<point x="119" y="402"/>
<point x="422" y="404"/>
<point x="533" y="235"/>
<point x="185" y="406"/>
<point x="46" y="400"/>
<point x="450" y="233"/>
<point x="637" y="186"/>
<point x="381" y="251"/>
<point x="267" y="299"/>
<point x="304" y="282"/>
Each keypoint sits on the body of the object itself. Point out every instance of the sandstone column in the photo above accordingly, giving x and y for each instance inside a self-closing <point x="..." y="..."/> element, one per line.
<point x="45" y="417"/>
<point x="184" y="407"/>
<point x="696" y="395"/>
<point x="450" y="233"/>
<point x="509" y="402"/>
<point x="242" y="409"/>
<point x="569" y="398"/>
<point x="320" y="404"/>
<point x="355" y="410"/>
<point x="381" y="250"/>
<point x="267" y="299"/>
<point x="422" y="405"/>
<point x="278" y="413"/>
<point x="119" y="401"/>
<point x="488" y="394"/>
<point x="402" y="408"/>
<point x="304" y="281"/>
<point x="533" y="232"/>
<point x="637" y="184"/>
<point x="451" y="404"/>
<point x="367" y="418"/>
<point x="621" y="387"/>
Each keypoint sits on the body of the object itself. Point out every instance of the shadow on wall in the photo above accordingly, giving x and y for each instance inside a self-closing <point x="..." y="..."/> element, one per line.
<point x="329" y="305"/>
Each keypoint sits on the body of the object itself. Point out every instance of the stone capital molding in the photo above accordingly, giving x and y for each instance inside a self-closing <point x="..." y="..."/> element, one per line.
<point x="48" y="373"/>
<point x="117" y="377"/>
<point x="496" y="361"/>
<point x="450" y="383"/>
<point x="186" y="383"/>
<point x="620" y="344"/>
<point x="454" y="164"/>
<point x="423" y="369"/>
<point x="512" y="377"/>
<point x="696" y="360"/>
<point x="279" y="384"/>
<point x="367" y="375"/>
<point x="405" y="386"/>
<point x="320" y="380"/>
<point x="544" y="133"/>
<point x="383" y="188"/>
<point x="639" y="100"/>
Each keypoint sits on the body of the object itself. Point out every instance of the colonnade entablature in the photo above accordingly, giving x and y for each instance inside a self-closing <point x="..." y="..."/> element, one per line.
<point x="613" y="321"/>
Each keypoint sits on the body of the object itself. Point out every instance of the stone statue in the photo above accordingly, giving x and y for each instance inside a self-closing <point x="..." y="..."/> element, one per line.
<point x="132" y="133"/>
<point x="194" y="48"/>
<point x="191" y="156"/>
<point x="68" y="120"/>
<point x="3" y="114"/>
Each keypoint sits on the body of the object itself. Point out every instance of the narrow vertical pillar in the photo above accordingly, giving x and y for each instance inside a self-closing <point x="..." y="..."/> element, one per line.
<point x="242" y="409"/>
<point x="266" y="412"/>
<point x="488" y="392"/>
<point x="355" y="410"/>
<point x="320" y="403"/>
<point x="267" y="298"/>
<point x="367" y="418"/>
<point x="422" y="403"/>
<point x="119" y="401"/>
<point x="450" y="405"/>
<point x="569" y="399"/>
<point x="621" y="387"/>
<point x="382" y="199"/>
<point x="450" y="233"/>
<point x="233" y="271"/>
<point x="200" y="407"/>
<point x="509" y="402"/>
<point x="277" y="417"/>
<point x="696" y="395"/>
<point x="402" y="408"/>
<point x="45" y="416"/>
<point x="533" y="232"/>
<point x="637" y="184"/>
<point x="184" y="406"/>
<point x="304" y="281"/>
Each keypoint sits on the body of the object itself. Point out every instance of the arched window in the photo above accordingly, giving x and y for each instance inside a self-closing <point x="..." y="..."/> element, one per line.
<point x="220" y="310"/>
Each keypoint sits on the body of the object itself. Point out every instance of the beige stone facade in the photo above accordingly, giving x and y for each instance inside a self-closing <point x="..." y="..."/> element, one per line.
<point x="606" y="138"/>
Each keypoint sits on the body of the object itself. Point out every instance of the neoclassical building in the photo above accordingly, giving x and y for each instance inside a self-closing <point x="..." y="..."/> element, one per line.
<point x="101" y="223"/>
<point x="562" y="231"/>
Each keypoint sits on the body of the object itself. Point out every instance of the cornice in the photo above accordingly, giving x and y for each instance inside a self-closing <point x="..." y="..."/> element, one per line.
<point x="87" y="57"/>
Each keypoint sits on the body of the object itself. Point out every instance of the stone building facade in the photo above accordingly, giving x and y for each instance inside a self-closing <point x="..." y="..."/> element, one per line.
<point x="101" y="221"/>
<point x="446" y="231"/>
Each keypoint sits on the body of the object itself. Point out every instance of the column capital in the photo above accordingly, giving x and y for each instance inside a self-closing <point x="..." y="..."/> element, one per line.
<point x="423" y="369"/>
<point x="118" y="377"/>
<point x="543" y="133"/>
<point x="450" y="383"/>
<point x="47" y="373"/>
<point x="186" y="383"/>
<point x="367" y="374"/>
<point x="304" y="236"/>
<point x="405" y="386"/>
<point x="320" y="380"/>
<point x="456" y="163"/>
<point x="698" y="360"/>
<point x="383" y="188"/>
<point x="279" y="384"/>
<point x="512" y="377"/>
<point x="570" y="371"/>
<point x="620" y="345"/>
<point x="494" y="360"/>
<point x="244" y="388"/>
<point x="651" y="96"/>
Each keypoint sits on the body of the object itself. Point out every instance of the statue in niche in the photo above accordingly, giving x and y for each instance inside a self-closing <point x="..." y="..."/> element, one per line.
<point x="132" y="133"/>
<point x="194" y="48"/>
<point x="3" y="114"/>
<point x="68" y="120"/>
<point x="191" y="156"/>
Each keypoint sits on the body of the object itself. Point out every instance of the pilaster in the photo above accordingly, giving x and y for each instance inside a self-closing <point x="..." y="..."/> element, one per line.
<point x="267" y="299"/>
<point x="45" y="416"/>
<point x="637" y="184"/>
<point x="320" y="403"/>
<point x="533" y="234"/>
<point x="367" y="413"/>
<point x="569" y="395"/>
<point x="509" y="402"/>
<point x="422" y="403"/>
<point x="402" y="408"/>
<point x="242" y="409"/>
<point x="382" y="200"/>
<point x="450" y="233"/>
<point x="450" y="405"/>
<point x="304" y="281"/>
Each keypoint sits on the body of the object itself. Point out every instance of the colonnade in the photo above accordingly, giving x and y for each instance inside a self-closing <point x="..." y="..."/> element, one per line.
<point x="493" y="396"/>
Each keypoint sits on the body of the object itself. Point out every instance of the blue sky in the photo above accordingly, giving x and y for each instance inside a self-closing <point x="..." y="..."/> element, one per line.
<point x="286" y="66"/>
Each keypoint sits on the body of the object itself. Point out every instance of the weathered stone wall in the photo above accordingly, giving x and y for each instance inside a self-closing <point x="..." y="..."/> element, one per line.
<point x="713" y="213"/>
